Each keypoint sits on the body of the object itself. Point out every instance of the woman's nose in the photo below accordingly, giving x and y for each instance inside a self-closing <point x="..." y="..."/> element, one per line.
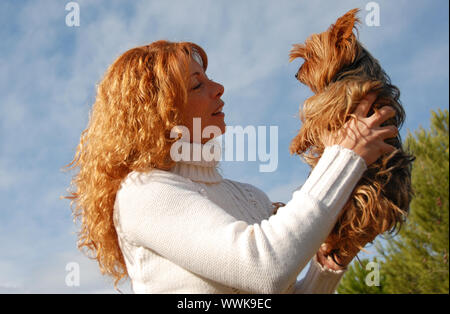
<point x="220" y="90"/>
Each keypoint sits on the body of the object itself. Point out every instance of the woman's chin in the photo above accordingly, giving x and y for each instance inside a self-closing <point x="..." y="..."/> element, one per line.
<point x="216" y="134"/>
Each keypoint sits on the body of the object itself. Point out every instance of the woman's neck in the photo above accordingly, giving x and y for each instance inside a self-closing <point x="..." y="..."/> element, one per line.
<point x="197" y="162"/>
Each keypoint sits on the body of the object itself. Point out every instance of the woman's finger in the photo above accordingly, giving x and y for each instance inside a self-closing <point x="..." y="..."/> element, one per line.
<point x="364" y="106"/>
<point x="380" y="116"/>
<point x="387" y="132"/>
<point x="386" y="148"/>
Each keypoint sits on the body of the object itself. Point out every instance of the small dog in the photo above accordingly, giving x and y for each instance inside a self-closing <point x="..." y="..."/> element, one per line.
<point x="341" y="72"/>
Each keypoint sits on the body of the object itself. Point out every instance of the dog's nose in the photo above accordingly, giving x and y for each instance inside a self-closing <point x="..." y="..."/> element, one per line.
<point x="296" y="75"/>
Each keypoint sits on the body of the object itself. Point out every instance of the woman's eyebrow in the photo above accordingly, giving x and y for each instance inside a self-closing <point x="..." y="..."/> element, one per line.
<point x="195" y="73"/>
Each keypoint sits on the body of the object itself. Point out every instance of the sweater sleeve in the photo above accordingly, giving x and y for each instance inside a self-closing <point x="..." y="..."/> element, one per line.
<point x="318" y="279"/>
<point x="177" y="221"/>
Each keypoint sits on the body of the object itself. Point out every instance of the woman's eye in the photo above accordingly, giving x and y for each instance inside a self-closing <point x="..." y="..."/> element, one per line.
<point x="197" y="86"/>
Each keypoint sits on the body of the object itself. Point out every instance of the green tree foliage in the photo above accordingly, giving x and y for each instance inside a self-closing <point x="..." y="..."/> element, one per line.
<point x="416" y="260"/>
<point x="359" y="278"/>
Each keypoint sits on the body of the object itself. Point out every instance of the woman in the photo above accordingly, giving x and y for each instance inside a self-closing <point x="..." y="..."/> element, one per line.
<point x="179" y="227"/>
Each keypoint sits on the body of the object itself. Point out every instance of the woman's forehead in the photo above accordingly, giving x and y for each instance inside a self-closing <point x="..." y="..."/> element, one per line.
<point x="195" y="67"/>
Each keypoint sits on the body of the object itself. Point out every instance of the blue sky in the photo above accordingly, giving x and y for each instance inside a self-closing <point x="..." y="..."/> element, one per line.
<point x="48" y="76"/>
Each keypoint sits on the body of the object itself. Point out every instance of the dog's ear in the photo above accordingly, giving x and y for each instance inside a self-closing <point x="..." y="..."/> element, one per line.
<point x="342" y="30"/>
<point x="297" y="51"/>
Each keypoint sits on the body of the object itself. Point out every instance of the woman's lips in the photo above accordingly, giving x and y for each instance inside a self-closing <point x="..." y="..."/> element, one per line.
<point x="218" y="111"/>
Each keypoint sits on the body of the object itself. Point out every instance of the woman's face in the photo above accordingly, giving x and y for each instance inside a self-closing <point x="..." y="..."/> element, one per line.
<point x="203" y="102"/>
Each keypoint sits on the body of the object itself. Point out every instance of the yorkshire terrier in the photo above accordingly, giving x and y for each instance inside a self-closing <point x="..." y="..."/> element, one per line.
<point x="341" y="72"/>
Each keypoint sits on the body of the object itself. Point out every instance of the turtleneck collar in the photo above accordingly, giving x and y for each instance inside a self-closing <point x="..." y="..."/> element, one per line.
<point x="198" y="167"/>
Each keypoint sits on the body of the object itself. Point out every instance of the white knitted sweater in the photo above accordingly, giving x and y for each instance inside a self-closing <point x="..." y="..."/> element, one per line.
<point x="188" y="230"/>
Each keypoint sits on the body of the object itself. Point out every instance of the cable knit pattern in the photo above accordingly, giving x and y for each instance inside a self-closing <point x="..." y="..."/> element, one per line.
<point x="188" y="230"/>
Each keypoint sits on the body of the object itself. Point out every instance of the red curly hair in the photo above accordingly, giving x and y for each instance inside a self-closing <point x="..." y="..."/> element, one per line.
<point x="139" y="100"/>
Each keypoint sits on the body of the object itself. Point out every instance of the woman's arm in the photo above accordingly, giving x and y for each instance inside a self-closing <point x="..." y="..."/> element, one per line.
<point x="180" y="223"/>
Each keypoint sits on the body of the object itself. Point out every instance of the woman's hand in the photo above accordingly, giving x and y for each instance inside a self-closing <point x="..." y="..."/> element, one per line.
<point x="326" y="260"/>
<point x="364" y="135"/>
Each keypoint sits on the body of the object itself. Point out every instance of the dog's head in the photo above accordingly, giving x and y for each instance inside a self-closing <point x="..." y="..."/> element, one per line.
<point x="325" y="54"/>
